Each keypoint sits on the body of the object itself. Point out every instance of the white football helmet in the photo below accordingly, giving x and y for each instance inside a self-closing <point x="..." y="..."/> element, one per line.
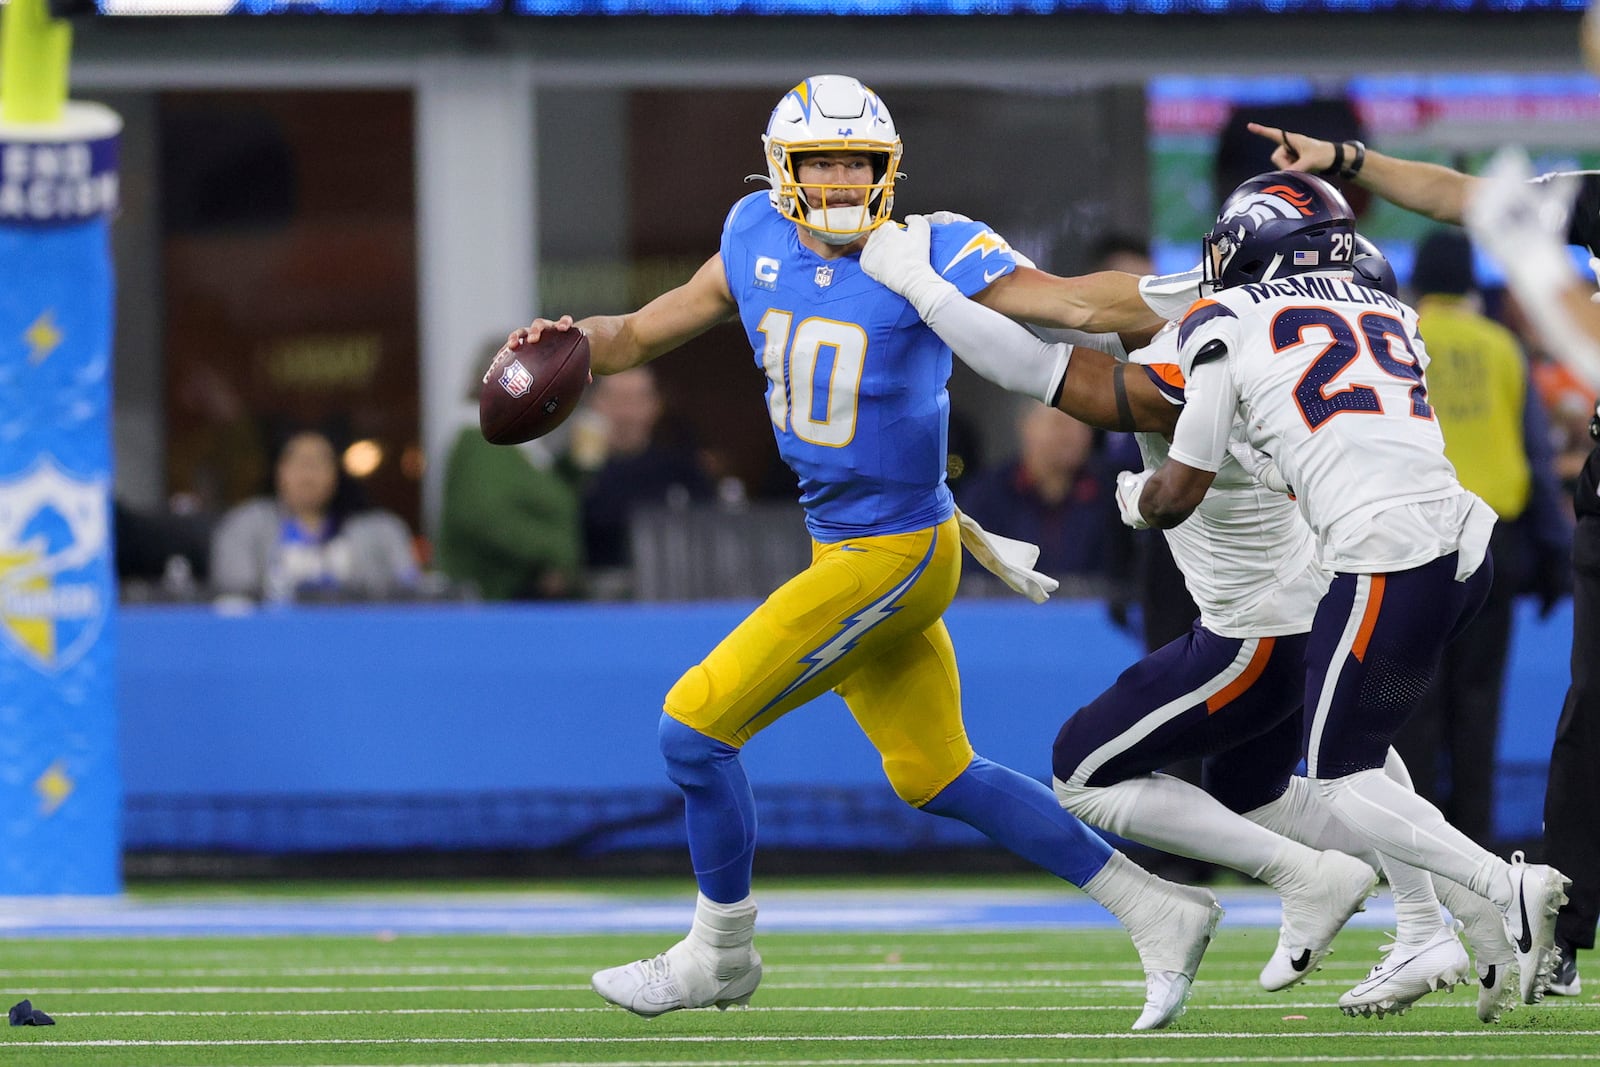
<point x="831" y="113"/>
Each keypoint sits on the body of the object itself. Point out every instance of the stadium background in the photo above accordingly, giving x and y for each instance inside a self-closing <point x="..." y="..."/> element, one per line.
<point x="337" y="214"/>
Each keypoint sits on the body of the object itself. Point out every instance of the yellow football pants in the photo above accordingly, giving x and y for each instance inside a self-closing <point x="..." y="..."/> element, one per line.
<point x="865" y="620"/>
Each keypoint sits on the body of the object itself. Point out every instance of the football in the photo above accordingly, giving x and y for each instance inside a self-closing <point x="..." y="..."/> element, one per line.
<point x="530" y="390"/>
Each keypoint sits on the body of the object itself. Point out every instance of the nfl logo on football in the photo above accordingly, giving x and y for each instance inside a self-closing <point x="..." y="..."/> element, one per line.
<point x="515" y="379"/>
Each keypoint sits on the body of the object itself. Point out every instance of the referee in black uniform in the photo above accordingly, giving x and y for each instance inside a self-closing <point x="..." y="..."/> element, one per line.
<point x="1572" y="795"/>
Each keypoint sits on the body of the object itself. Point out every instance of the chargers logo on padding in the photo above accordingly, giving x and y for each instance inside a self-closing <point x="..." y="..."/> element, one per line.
<point x="53" y="546"/>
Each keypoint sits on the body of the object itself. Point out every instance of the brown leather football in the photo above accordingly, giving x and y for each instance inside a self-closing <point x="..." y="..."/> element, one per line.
<point x="530" y="390"/>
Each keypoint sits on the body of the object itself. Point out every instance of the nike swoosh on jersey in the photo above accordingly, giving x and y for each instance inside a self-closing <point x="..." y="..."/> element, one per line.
<point x="991" y="275"/>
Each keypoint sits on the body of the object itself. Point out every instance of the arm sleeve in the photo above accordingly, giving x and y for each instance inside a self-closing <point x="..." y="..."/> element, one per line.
<point x="1201" y="438"/>
<point x="1000" y="350"/>
<point x="1109" y="343"/>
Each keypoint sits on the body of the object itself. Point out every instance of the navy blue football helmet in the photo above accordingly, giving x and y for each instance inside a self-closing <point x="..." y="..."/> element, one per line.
<point x="1372" y="269"/>
<point x="1277" y="224"/>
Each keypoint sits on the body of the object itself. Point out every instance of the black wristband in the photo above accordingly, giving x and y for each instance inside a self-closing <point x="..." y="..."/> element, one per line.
<point x="1337" y="166"/>
<point x="1119" y="390"/>
<point x="1356" y="161"/>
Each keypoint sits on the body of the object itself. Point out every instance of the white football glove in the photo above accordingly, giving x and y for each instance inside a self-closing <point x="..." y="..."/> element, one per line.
<point x="1170" y="295"/>
<point x="898" y="258"/>
<point x="945" y="218"/>
<point x="1129" y="488"/>
<point x="1260" y="466"/>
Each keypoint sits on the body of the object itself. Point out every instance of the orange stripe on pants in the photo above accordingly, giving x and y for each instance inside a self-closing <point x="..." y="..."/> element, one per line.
<point x="1258" y="663"/>
<point x="1369" y="619"/>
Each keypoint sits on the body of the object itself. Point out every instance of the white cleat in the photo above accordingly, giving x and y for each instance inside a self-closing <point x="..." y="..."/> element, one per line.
<point x="1171" y="944"/>
<point x="1497" y="990"/>
<point x="681" y="978"/>
<point x="1336" y="887"/>
<point x="1537" y="893"/>
<point x="1406" y="974"/>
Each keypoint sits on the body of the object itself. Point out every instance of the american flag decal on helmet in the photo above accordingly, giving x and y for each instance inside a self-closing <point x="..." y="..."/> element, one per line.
<point x="1307" y="258"/>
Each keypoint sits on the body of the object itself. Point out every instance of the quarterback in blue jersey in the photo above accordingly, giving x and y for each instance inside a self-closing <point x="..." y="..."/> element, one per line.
<point x="856" y="395"/>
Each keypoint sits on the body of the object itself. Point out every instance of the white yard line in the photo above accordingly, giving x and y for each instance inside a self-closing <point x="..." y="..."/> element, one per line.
<point x="831" y="1039"/>
<point x="842" y="1009"/>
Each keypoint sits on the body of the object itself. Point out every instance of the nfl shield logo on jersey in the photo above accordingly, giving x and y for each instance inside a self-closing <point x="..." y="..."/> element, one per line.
<point x="824" y="277"/>
<point x="515" y="379"/>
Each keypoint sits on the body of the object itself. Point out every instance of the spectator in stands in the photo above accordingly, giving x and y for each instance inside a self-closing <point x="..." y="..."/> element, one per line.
<point x="630" y="464"/>
<point x="510" y="527"/>
<point x="1496" y="436"/>
<point x="311" y="538"/>
<point x="1049" y="495"/>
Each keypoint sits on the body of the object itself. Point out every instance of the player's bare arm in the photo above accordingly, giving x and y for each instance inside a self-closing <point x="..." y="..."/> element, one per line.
<point x="620" y="342"/>
<point x="1101" y="393"/>
<point x="1173" y="492"/>
<point x="1426" y="188"/>
<point x="1103" y="302"/>
<point x="1112" y="395"/>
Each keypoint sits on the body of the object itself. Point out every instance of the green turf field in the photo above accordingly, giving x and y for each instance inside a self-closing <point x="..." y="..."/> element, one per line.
<point x="964" y="997"/>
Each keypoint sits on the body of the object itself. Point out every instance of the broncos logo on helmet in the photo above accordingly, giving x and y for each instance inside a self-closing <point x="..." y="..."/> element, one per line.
<point x="1277" y="224"/>
<point x="1273" y="202"/>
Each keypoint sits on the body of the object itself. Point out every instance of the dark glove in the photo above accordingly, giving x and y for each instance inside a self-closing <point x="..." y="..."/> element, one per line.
<point x="25" y="1014"/>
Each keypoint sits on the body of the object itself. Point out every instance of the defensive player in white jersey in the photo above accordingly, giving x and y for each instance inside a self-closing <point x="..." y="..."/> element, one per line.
<point x="1327" y="379"/>
<point x="1230" y="690"/>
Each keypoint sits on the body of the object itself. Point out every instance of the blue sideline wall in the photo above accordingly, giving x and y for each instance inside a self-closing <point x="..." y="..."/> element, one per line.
<point x="460" y="725"/>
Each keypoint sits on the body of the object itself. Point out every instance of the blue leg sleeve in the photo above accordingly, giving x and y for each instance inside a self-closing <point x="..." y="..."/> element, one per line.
<point x="718" y="806"/>
<point x="1023" y="815"/>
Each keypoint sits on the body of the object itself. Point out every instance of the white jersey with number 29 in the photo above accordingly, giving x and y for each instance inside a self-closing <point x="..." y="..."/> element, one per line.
<point x="1326" y="377"/>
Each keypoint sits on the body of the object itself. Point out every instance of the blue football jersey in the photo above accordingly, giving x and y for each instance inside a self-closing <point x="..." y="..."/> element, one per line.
<point x="855" y="379"/>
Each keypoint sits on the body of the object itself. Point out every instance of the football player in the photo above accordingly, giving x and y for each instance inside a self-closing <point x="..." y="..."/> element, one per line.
<point x="1525" y="224"/>
<point x="856" y="396"/>
<point x="1327" y="377"/>
<point x="1231" y="689"/>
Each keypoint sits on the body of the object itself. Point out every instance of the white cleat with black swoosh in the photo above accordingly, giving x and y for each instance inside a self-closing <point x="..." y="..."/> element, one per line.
<point x="1537" y="893"/>
<point x="1407" y="973"/>
<point x="1331" y="890"/>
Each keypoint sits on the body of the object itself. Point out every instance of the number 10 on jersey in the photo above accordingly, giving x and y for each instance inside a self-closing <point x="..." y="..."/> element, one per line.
<point x="815" y="375"/>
